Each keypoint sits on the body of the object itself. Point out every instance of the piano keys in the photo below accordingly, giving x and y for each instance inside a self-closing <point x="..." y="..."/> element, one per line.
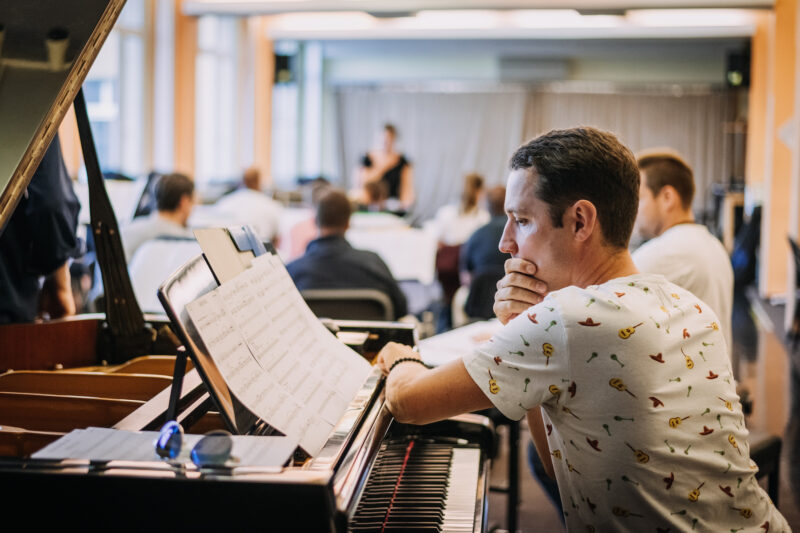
<point x="420" y="486"/>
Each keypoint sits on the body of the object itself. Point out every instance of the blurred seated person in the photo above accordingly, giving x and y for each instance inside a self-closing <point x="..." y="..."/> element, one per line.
<point x="38" y="240"/>
<point x="304" y="231"/>
<point x="331" y="263"/>
<point x="481" y="261"/>
<point x="375" y="195"/>
<point x="249" y="205"/>
<point x="452" y="226"/>
<point x="386" y="165"/>
<point x="174" y="203"/>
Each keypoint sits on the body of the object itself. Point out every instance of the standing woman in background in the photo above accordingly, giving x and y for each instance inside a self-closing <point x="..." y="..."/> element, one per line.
<point x="392" y="168"/>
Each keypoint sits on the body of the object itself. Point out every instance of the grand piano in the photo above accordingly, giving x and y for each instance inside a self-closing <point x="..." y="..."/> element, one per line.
<point x="373" y="474"/>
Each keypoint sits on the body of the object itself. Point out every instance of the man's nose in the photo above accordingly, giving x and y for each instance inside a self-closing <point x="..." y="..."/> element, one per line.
<point x="507" y="243"/>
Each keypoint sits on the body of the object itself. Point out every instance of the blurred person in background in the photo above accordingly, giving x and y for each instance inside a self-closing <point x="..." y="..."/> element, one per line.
<point x="386" y="165"/>
<point x="174" y="204"/>
<point x="37" y="242"/>
<point x="330" y="262"/>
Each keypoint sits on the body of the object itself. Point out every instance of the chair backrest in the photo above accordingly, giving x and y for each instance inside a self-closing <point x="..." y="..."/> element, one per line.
<point x="480" y="301"/>
<point x="796" y="254"/>
<point x="349" y="304"/>
<point x="153" y="262"/>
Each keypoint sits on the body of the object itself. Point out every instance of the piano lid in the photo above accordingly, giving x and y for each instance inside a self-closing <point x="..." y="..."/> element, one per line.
<point x="46" y="49"/>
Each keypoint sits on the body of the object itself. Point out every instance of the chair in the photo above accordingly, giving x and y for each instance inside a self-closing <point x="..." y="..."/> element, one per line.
<point x="765" y="451"/>
<point x="480" y="301"/>
<point x="794" y="331"/>
<point x="153" y="262"/>
<point x="349" y="304"/>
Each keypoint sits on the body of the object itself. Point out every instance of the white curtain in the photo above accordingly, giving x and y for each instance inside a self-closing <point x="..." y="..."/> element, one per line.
<point x="446" y="135"/>
<point x="692" y="124"/>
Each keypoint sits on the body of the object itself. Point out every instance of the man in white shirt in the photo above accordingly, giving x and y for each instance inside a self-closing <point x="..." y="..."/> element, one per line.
<point x="679" y="249"/>
<point x="640" y="421"/>
<point x="249" y="205"/>
<point x="174" y="203"/>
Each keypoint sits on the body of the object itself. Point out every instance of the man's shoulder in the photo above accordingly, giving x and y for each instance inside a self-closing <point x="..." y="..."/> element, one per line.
<point x="613" y="295"/>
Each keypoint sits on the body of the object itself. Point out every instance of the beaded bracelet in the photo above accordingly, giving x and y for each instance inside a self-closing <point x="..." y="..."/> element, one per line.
<point x="405" y="360"/>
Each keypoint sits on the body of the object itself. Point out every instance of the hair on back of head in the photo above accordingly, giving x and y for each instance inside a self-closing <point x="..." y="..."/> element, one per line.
<point x="333" y="210"/>
<point x="585" y="163"/>
<point x="495" y="200"/>
<point x="662" y="168"/>
<point x="473" y="185"/>
<point x="169" y="190"/>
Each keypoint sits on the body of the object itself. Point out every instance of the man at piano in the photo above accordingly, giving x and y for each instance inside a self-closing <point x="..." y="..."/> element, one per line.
<point x="624" y="377"/>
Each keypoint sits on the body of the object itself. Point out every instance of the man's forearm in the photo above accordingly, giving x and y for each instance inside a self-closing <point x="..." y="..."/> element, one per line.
<point x="416" y="395"/>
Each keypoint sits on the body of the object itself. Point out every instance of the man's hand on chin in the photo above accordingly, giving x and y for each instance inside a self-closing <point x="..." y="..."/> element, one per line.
<point x="518" y="290"/>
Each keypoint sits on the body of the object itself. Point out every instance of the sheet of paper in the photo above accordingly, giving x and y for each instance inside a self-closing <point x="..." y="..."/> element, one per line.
<point x="225" y="259"/>
<point x="276" y="356"/>
<point x="454" y="344"/>
<point x="104" y="444"/>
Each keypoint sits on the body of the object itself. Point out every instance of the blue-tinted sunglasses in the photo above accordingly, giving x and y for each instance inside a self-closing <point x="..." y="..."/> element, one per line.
<point x="214" y="449"/>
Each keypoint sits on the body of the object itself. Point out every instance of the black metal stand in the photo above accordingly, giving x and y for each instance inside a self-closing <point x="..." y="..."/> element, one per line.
<point x="511" y="490"/>
<point x="177" y="382"/>
<point x="129" y="336"/>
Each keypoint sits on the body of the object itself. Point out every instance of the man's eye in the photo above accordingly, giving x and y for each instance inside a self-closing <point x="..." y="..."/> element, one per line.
<point x="520" y="221"/>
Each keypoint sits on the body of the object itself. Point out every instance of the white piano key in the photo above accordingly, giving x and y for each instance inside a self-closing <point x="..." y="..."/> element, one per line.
<point x="459" y="513"/>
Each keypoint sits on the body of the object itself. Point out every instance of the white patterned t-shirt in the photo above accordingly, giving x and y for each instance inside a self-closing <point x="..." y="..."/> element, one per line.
<point x="645" y="429"/>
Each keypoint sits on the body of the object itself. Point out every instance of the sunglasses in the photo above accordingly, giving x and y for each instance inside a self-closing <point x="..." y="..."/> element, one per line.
<point x="213" y="450"/>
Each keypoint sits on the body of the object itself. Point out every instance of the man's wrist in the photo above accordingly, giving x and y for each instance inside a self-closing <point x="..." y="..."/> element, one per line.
<point x="407" y="360"/>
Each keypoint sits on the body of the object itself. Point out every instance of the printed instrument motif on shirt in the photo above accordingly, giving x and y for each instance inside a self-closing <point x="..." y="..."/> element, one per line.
<point x="673" y="360"/>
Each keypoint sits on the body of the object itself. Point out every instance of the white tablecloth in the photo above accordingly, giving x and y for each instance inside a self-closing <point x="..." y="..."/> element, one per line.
<point x="409" y="253"/>
<point x="454" y="344"/>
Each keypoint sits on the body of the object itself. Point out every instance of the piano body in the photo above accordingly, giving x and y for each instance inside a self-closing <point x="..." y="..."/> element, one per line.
<point x="372" y="475"/>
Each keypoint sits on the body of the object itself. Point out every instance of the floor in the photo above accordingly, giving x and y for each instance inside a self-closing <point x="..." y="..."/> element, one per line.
<point x="766" y="367"/>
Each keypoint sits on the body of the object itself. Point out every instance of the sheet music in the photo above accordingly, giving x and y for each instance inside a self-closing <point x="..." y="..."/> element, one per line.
<point x="276" y="356"/>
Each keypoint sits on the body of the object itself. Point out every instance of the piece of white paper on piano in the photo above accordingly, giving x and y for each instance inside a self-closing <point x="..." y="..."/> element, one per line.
<point x="276" y="356"/>
<point x="104" y="444"/>
<point x="456" y="343"/>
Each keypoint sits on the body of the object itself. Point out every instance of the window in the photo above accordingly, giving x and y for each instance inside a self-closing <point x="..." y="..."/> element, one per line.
<point x="115" y="94"/>
<point x="217" y="125"/>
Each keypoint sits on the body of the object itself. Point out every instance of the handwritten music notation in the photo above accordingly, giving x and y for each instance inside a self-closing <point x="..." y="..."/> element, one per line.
<point x="275" y="355"/>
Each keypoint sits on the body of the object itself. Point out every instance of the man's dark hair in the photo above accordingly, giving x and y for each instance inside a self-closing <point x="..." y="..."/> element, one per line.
<point x="333" y="211"/>
<point x="495" y="200"/>
<point x="170" y="189"/>
<point x="664" y="168"/>
<point x="585" y="163"/>
<point x="390" y="128"/>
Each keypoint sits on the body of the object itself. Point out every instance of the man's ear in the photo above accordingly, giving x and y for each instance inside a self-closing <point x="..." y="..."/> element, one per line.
<point x="582" y="219"/>
<point x="670" y="198"/>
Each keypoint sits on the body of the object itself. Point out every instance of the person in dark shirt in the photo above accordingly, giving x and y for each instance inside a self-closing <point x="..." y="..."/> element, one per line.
<point x="481" y="261"/>
<point x="386" y="165"/>
<point x="38" y="241"/>
<point x="331" y="263"/>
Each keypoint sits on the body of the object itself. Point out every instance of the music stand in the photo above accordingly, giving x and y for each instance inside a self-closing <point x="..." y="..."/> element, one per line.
<point x="194" y="279"/>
